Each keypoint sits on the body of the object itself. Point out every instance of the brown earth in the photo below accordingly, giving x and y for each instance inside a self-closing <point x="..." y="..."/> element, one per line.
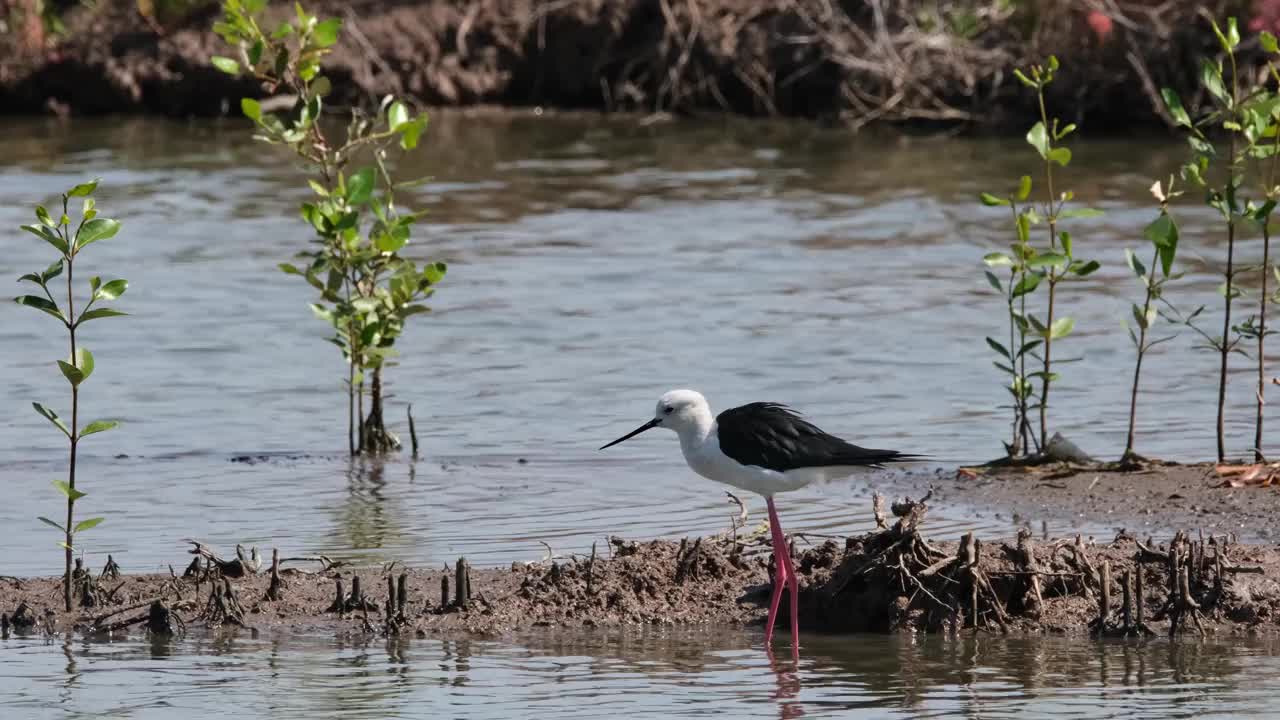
<point x="934" y="64"/>
<point x="890" y="580"/>
<point x="1160" y="499"/>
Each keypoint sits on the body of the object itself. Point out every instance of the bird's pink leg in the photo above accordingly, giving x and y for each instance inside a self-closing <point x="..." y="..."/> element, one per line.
<point x="786" y="574"/>
<point x="779" y="575"/>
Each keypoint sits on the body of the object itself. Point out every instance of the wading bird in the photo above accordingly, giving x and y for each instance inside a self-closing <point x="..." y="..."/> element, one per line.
<point x="765" y="448"/>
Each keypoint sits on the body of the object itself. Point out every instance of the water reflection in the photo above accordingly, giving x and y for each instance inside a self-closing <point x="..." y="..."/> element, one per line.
<point x="656" y="672"/>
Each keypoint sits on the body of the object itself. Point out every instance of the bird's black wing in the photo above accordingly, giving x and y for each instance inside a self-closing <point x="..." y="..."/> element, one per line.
<point x="773" y="436"/>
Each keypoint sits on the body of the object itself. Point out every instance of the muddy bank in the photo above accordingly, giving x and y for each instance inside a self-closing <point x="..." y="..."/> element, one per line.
<point x="895" y="579"/>
<point x="1160" y="499"/>
<point x="932" y="64"/>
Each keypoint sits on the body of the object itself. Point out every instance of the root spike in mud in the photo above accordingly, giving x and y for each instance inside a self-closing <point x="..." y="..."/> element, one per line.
<point x="889" y="580"/>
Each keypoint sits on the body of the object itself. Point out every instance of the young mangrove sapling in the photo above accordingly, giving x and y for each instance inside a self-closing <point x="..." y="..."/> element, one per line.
<point x="70" y="240"/>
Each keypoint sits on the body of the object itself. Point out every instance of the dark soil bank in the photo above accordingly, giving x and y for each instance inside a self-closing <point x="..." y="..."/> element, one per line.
<point x="890" y="580"/>
<point x="945" y="63"/>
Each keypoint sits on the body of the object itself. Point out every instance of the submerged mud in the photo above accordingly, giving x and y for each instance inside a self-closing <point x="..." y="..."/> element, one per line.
<point x="895" y="579"/>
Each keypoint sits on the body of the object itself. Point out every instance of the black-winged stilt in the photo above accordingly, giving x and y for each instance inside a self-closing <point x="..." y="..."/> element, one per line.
<point x="766" y="448"/>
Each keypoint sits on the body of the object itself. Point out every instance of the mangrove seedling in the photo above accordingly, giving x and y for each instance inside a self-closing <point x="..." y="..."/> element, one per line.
<point x="1267" y="152"/>
<point x="367" y="288"/>
<point x="1058" y="262"/>
<point x="1245" y="117"/>
<point x="1163" y="235"/>
<point x="70" y="240"/>
<point x="1030" y="267"/>
<point x="1022" y="280"/>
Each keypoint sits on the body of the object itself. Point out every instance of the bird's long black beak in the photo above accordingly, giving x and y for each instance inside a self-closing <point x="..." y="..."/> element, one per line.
<point x="651" y="424"/>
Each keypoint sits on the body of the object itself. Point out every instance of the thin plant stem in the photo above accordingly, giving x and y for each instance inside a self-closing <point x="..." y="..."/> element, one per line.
<point x="1053" y="283"/>
<point x="1142" y="351"/>
<point x="75" y="408"/>
<point x="1225" y="346"/>
<point x="1269" y="191"/>
<point x="1262" y="336"/>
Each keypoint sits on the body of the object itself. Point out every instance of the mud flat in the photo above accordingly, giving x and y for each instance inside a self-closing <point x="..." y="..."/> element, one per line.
<point x="1159" y="499"/>
<point x="894" y="579"/>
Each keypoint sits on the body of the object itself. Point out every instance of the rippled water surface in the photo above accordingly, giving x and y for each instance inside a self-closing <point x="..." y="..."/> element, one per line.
<point x="670" y="674"/>
<point x="594" y="263"/>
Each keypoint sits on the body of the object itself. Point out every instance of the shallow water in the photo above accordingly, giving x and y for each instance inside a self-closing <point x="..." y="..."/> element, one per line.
<point x="657" y="673"/>
<point x="593" y="264"/>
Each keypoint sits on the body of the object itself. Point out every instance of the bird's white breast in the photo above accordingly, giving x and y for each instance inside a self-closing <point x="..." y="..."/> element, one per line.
<point x="705" y="458"/>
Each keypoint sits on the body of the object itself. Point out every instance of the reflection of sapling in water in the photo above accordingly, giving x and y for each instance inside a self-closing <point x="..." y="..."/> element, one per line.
<point x="58" y="232"/>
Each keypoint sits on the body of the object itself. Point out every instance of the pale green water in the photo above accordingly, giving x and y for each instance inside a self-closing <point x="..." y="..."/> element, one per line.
<point x="594" y="264"/>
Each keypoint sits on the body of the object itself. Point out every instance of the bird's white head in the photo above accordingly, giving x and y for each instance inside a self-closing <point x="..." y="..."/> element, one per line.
<point x="681" y="411"/>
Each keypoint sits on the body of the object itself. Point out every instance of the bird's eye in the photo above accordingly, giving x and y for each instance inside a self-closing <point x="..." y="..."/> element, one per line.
<point x="668" y="410"/>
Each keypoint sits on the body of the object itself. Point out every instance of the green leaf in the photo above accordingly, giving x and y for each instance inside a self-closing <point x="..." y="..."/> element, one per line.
<point x="1027" y="284"/>
<point x="1024" y="188"/>
<point x="434" y="272"/>
<point x="251" y="108"/>
<point x="1211" y="78"/>
<point x="1080" y="213"/>
<point x="225" y="64"/>
<point x="993" y="281"/>
<point x="1024" y="79"/>
<point x="999" y="348"/>
<point x="98" y="426"/>
<point x="1070" y="128"/>
<point x="326" y="33"/>
<point x="1163" y="233"/>
<point x="52" y="524"/>
<point x="991" y="200"/>
<point x="1065" y="237"/>
<point x="360" y="186"/>
<point x="1081" y="269"/>
<point x="84" y="190"/>
<point x="409" y="310"/>
<point x="87" y="524"/>
<point x="255" y="52"/>
<point x="52" y="417"/>
<point x="1049" y="259"/>
<point x="1061" y="327"/>
<point x="411" y="131"/>
<point x="95" y="230"/>
<point x="1268" y="42"/>
<point x="48" y="236"/>
<point x="392" y="240"/>
<point x="67" y="490"/>
<point x="81" y="370"/>
<point x="112" y="290"/>
<point x="1038" y="137"/>
<point x="397" y="115"/>
<point x="51" y="272"/>
<point x="43" y="216"/>
<point x="289" y="269"/>
<point x="97" y="314"/>
<point x="1060" y="155"/>
<point x="321" y="86"/>
<point x="40" y="303"/>
<point x="1024" y="228"/>
<point x="1135" y="264"/>
<point x="319" y="189"/>
<point x="62" y="544"/>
